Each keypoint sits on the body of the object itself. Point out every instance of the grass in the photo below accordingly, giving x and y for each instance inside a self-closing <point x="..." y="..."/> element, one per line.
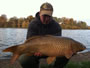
<point x="84" y="64"/>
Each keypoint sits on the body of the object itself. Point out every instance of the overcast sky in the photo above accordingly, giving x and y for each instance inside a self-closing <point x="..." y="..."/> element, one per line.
<point x="76" y="9"/>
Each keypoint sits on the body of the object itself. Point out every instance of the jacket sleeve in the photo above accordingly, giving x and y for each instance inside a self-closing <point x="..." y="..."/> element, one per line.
<point x="32" y="30"/>
<point x="57" y="29"/>
<point x="59" y="33"/>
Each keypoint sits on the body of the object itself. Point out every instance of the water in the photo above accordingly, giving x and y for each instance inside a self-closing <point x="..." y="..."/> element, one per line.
<point x="10" y="37"/>
<point x="14" y="36"/>
<point x="82" y="36"/>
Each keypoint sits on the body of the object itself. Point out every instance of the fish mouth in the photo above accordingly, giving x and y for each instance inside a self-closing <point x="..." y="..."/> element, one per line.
<point x="84" y="48"/>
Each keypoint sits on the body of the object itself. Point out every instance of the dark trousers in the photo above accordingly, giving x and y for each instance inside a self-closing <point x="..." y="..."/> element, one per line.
<point x="60" y="62"/>
<point x="33" y="62"/>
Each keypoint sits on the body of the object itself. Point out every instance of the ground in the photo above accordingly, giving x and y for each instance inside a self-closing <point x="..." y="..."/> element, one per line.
<point x="81" y="57"/>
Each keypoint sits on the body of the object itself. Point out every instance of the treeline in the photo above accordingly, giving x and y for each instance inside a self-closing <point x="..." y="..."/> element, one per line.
<point x="70" y="23"/>
<point x="66" y="23"/>
<point x="14" y="22"/>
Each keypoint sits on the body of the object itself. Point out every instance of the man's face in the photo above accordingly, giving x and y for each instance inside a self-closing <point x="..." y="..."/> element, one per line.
<point x="45" y="19"/>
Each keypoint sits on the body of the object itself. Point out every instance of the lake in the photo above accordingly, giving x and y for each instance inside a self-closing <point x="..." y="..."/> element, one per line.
<point x="14" y="36"/>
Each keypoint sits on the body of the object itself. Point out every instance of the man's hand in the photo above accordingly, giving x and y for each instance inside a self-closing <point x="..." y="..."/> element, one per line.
<point x="37" y="54"/>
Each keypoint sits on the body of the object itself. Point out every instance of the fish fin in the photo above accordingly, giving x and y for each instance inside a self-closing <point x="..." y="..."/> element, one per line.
<point x="10" y="49"/>
<point x="31" y="38"/>
<point x="68" y="54"/>
<point x="14" y="58"/>
<point x="50" y="59"/>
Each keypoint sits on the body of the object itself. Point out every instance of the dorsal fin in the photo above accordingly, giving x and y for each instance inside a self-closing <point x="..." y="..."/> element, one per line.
<point x="35" y="37"/>
<point x="31" y="38"/>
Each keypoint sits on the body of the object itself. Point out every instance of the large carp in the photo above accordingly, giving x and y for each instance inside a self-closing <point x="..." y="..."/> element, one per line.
<point x="48" y="45"/>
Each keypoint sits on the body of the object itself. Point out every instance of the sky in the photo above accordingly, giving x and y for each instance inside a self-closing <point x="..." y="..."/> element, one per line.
<point x="77" y="9"/>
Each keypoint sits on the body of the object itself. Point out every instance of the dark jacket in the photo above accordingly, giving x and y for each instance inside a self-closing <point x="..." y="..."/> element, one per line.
<point x="37" y="28"/>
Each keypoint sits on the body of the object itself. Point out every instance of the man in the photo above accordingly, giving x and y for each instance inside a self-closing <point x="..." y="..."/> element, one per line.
<point x="43" y="24"/>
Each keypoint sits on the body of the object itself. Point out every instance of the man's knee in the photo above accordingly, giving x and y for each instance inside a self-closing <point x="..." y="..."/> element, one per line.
<point x="29" y="61"/>
<point x="61" y="62"/>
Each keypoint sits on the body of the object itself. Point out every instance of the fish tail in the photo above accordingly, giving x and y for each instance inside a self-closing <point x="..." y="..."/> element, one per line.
<point x="10" y="49"/>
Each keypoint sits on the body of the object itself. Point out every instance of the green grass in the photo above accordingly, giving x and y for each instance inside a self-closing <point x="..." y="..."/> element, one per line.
<point x="85" y="64"/>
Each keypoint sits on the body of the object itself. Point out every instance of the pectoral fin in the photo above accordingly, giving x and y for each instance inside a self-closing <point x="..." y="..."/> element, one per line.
<point x="50" y="59"/>
<point x="68" y="54"/>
